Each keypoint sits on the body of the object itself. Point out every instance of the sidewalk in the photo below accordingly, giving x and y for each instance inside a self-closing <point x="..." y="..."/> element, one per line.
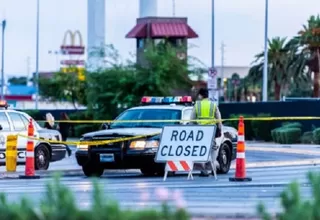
<point x="276" y="145"/>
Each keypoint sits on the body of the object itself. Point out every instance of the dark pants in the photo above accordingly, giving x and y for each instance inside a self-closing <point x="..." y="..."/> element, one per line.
<point x="64" y="138"/>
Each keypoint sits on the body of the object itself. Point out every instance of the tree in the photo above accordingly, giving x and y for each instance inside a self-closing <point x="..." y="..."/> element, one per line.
<point x="309" y="38"/>
<point x="163" y="73"/>
<point x="282" y="65"/>
<point x="22" y="80"/>
<point x="125" y="83"/>
<point x="63" y="87"/>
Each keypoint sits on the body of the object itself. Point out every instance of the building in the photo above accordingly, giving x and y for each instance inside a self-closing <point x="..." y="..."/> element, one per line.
<point x="154" y="30"/>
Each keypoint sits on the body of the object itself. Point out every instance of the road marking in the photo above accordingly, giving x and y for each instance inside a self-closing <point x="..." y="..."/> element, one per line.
<point x="284" y="150"/>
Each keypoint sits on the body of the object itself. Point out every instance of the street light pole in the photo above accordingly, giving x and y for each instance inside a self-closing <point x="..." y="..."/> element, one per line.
<point x="212" y="34"/>
<point x="265" y="65"/>
<point x="37" y="58"/>
<point x="3" y="24"/>
<point x="211" y="90"/>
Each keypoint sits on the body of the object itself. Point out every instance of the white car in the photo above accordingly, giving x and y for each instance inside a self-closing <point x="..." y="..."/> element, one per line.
<point x="16" y="122"/>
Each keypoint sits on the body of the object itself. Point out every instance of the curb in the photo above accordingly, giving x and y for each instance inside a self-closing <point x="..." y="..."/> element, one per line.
<point x="276" y="145"/>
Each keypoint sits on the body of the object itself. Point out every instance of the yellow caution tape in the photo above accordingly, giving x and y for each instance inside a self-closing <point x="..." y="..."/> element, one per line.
<point x="89" y="143"/>
<point x="197" y="120"/>
<point x="97" y="143"/>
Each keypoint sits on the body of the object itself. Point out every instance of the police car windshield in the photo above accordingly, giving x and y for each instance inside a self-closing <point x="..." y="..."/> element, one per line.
<point x="147" y="114"/>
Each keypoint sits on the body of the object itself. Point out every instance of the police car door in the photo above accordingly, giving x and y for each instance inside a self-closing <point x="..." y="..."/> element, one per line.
<point x="186" y="115"/>
<point x="4" y="131"/>
<point x="19" y="127"/>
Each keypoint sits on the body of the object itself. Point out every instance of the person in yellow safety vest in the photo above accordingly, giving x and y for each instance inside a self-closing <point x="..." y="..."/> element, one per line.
<point x="206" y="109"/>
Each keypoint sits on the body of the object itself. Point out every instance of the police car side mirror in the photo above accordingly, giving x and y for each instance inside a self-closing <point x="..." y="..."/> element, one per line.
<point x="105" y="126"/>
<point x="1" y="127"/>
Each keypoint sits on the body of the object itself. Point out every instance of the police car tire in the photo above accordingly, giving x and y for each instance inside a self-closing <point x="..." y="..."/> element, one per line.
<point x="45" y="153"/>
<point x="92" y="170"/>
<point x="224" y="169"/>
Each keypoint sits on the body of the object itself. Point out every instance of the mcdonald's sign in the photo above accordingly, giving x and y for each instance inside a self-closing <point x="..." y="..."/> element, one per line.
<point x="80" y="71"/>
<point x="72" y="48"/>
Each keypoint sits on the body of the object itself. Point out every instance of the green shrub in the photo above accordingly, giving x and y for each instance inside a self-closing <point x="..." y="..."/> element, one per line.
<point x="59" y="203"/>
<point x="276" y="134"/>
<point x="261" y="128"/>
<point x="234" y="123"/>
<point x="292" y="124"/>
<point x="316" y="136"/>
<point x="282" y="136"/>
<point x="291" y="135"/>
<point x="294" y="206"/>
<point x="307" y="137"/>
<point x="273" y="134"/>
<point x="286" y="135"/>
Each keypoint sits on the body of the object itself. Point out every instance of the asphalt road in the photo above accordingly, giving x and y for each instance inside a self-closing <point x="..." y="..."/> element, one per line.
<point x="203" y="195"/>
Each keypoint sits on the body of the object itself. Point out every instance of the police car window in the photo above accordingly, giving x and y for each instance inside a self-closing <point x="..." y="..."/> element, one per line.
<point x="148" y="114"/>
<point x="25" y="120"/>
<point x="4" y="122"/>
<point x="18" y="124"/>
<point x="187" y="114"/>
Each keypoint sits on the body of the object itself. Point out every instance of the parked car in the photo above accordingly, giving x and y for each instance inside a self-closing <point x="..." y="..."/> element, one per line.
<point x="16" y="122"/>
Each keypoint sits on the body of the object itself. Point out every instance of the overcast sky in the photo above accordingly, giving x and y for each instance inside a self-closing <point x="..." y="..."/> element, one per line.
<point x="240" y="24"/>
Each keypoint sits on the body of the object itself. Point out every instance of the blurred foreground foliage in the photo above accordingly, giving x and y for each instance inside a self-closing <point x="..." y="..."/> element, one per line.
<point x="294" y="207"/>
<point x="58" y="203"/>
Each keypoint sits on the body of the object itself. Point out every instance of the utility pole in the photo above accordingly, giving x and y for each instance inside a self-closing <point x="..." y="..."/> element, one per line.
<point x="265" y="65"/>
<point x="37" y="58"/>
<point x="222" y="68"/>
<point x="3" y="24"/>
<point x="212" y="93"/>
<point x="173" y="8"/>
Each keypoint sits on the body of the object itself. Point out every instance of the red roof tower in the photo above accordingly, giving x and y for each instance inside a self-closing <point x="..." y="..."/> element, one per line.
<point x="173" y="29"/>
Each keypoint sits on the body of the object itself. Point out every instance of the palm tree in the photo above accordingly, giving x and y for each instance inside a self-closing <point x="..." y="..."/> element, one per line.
<point x="309" y="38"/>
<point x="281" y="54"/>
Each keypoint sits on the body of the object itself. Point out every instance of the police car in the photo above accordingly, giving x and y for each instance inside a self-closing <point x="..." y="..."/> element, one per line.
<point x="140" y="154"/>
<point x="14" y="122"/>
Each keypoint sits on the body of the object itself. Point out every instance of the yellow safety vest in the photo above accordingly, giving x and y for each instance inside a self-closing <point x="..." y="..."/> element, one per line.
<point x="205" y="109"/>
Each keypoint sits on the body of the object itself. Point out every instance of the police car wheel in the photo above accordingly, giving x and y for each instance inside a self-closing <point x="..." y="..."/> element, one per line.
<point x="42" y="157"/>
<point x="92" y="170"/>
<point x="224" y="159"/>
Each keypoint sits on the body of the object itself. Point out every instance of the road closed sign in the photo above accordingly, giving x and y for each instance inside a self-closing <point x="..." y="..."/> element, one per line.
<point x="186" y="143"/>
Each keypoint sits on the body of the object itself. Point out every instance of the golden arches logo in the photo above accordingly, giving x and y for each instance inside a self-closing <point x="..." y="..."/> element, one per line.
<point x="72" y="38"/>
<point x="72" y="48"/>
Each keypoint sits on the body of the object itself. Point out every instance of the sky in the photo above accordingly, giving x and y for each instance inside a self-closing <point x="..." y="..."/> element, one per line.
<point x="239" y="24"/>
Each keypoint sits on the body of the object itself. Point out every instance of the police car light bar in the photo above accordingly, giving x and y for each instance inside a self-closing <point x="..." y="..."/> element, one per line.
<point x="163" y="100"/>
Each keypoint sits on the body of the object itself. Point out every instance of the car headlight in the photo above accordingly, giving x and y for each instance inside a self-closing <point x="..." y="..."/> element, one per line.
<point x="141" y="144"/>
<point x="82" y="147"/>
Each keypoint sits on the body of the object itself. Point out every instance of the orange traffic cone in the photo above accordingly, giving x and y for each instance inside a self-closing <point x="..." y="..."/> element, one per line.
<point x="29" y="168"/>
<point x="240" y="174"/>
